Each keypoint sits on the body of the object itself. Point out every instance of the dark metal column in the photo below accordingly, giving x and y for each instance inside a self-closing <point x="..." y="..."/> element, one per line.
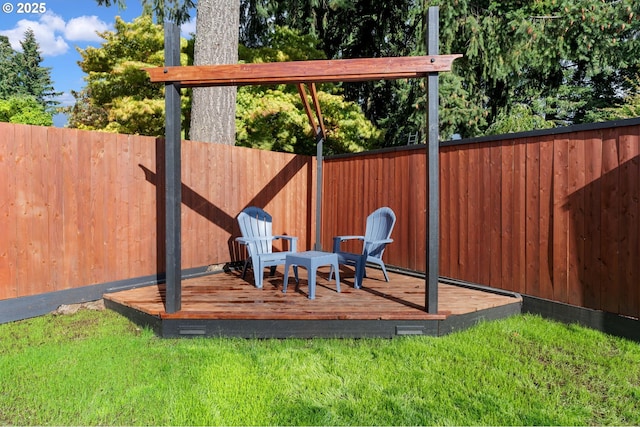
<point x="433" y="170"/>
<point x="173" y="167"/>
<point x="319" y="144"/>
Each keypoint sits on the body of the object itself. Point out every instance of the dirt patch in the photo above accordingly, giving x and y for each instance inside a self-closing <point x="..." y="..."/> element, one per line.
<point x="73" y="308"/>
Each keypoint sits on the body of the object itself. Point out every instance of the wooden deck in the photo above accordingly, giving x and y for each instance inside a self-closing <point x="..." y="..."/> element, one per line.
<point x="224" y="304"/>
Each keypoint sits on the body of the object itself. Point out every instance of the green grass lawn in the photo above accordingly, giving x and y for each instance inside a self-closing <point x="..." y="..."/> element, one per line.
<point x="97" y="368"/>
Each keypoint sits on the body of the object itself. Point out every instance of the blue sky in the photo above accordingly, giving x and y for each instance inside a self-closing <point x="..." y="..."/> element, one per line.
<point x="60" y="27"/>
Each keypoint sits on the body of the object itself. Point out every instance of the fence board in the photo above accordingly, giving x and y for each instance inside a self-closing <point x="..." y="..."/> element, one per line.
<point x="55" y="207"/>
<point x="610" y="221"/>
<point x="8" y="213"/>
<point x="70" y="205"/>
<point x="560" y="219"/>
<point x="593" y="269"/>
<point x="485" y="258"/>
<point x="112" y="200"/>
<point x="446" y="216"/>
<point x="24" y="176"/>
<point x="462" y="211"/>
<point x="507" y="205"/>
<point x="418" y="205"/>
<point x="576" y="207"/>
<point x="455" y="217"/>
<point x="474" y="213"/>
<point x="519" y="214"/>
<point x="121" y="205"/>
<point x="629" y="173"/>
<point x="546" y="218"/>
<point x="532" y="222"/>
<point x="495" y="202"/>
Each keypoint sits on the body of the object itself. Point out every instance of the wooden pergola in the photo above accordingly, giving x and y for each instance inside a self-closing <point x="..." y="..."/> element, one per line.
<point x="300" y="73"/>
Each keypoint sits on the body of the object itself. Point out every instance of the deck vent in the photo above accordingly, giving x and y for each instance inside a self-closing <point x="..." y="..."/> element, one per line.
<point x="191" y="330"/>
<point x="409" y="330"/>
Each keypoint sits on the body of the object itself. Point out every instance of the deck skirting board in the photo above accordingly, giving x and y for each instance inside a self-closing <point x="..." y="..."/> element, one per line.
<point x="14" y="309"/>
<point x="282" y="329"/>
<point x="463" y="321"/>
<point x="602" y="321"/>
<point x="304" y="329"/>
<point x="138" y="317"/>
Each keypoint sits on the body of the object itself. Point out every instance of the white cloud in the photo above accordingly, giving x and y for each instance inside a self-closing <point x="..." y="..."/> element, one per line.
<point x="45" y="32"/>
<point x="52" y="32"/>
<point x="85" y="28"/>
<point x="66" y="99"/>
<point x="188" y="28"/>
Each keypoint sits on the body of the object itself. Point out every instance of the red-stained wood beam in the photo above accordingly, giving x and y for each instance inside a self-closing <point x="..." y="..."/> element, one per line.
<point x="316" y="71"/>
<point x="307" y="107"/>
<point x="316" y="105"/>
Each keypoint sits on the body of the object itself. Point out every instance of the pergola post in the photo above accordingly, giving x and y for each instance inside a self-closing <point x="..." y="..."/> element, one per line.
<point x="433" y="169"/>
<point x="300" y="73"/>
<point x="173" y="168"/>
<point x="319" y="158"/>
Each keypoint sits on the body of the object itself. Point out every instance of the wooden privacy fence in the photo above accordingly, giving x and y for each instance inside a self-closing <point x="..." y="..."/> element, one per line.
<point x="554" y="216"/>
<point x="81" y="208"/>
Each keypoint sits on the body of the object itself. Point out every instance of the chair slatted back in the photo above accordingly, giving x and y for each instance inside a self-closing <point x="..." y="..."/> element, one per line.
<point x="379" y="227"/>
<point x="255" y="222"/>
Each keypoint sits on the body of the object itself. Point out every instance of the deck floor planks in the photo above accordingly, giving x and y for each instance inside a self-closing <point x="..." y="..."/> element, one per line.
<point x="228" y="296"/>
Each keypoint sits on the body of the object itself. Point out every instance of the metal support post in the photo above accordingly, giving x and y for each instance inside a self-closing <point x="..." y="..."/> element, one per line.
<point x="433" y="170"/>
<point x="319" y="143"/>
<point x="173" y="179"/>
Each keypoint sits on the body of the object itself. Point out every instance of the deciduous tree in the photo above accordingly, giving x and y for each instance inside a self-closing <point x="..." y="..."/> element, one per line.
<point x="273" y="118"/>
<point x="212" y="109"/>
<point x="119" y="96"/>
<point x="24" y="109"/>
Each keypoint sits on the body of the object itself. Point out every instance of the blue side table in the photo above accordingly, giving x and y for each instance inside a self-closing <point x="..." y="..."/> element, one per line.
<point x="311" y="260"/>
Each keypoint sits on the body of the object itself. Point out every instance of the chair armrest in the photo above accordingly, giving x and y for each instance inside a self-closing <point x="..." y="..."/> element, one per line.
<point x="343" y="238"/>
<point x="339" y="239"/>
<point x="373" y="242"/>
<point x="290" y="238"/>
<point x="293" y="241"/>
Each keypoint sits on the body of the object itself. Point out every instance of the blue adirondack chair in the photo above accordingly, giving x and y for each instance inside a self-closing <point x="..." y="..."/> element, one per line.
<point x="257" y="236"/>
<point x="376" y="238"/>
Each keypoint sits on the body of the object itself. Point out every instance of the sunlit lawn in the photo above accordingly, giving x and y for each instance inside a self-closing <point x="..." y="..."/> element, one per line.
<point x="97" y="368"/>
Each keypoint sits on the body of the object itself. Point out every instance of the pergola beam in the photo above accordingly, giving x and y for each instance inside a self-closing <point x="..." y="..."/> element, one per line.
<point x="317" y="71"/>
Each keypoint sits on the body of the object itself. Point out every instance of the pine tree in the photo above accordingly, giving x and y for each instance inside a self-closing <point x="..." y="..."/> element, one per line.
<point x="32" y="78"/>
<point x="8" y="69"/>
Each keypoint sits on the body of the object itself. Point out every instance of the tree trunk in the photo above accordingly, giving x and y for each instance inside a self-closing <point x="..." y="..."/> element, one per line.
<point x="213" y="110"/>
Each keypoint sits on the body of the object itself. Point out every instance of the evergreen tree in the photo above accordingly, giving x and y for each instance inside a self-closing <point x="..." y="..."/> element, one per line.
<point x="549" y="61"/>
<point x="33" y="79"/>
<point x="8" y="69"/>
<point x="561" y="58"/>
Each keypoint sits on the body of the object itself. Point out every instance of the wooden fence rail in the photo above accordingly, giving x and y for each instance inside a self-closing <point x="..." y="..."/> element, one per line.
<point x="554" y="216"/>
